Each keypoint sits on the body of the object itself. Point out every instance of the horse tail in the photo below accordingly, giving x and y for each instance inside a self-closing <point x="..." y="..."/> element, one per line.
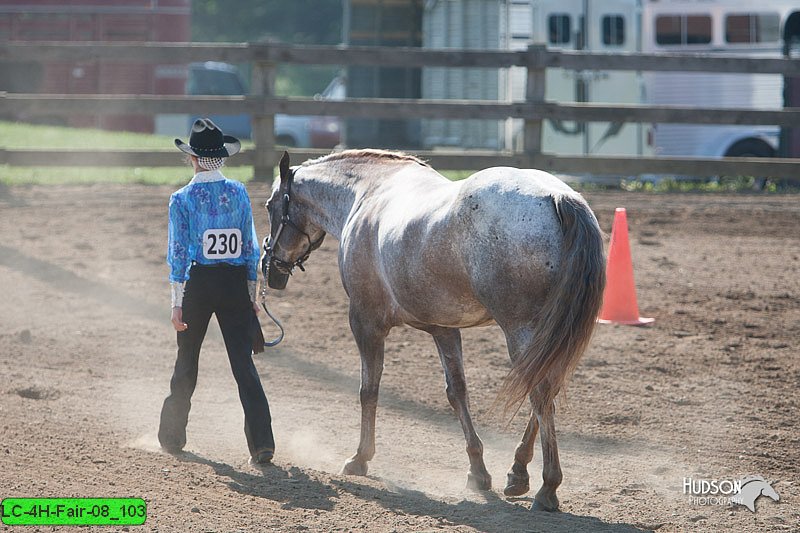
<point x="564" y="324"/>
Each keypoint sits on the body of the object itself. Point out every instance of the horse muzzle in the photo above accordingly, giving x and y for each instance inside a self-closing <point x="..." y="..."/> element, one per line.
<point x="274" y="272"/>
<point x="277" y="277"/>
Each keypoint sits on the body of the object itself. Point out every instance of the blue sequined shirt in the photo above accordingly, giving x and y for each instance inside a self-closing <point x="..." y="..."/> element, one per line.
<point x="211" y="221"/>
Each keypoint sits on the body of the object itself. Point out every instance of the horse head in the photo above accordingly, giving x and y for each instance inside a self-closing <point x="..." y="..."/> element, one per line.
<point x="752" y="488"/>
<point x="292" y="235"/>
<point x="769" y="492"/>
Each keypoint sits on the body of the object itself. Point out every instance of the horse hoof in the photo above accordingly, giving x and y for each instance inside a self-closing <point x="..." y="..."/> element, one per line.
<point x="539" y="505"/>
<point x="517" y="488"/>
<point x="479" y="482"/>
<point x="354" y="467"/>
<point x="518" y="482"/>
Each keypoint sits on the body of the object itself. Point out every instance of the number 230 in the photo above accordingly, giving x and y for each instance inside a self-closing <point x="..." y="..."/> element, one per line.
<point x="228" y="243"/>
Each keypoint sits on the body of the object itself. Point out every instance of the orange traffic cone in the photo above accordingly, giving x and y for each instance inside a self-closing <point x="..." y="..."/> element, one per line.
<point x="619" y="298"/>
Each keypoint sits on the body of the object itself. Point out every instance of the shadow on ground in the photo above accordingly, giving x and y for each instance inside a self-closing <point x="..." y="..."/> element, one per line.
<point x="296" y="489"/>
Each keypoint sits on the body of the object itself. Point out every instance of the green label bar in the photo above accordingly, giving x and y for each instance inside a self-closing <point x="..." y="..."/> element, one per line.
<point x="73" y="511"/>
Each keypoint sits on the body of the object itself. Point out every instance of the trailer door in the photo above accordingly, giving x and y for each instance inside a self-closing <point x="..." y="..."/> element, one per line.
<point x="559" y="24"/>
<point x="613" y="27"/>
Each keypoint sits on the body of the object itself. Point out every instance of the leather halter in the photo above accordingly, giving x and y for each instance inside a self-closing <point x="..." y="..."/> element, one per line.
<point x="287" y="267"/>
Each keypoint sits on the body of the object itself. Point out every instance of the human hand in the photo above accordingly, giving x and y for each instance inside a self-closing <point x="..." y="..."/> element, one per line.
<point x="177" y="319"/>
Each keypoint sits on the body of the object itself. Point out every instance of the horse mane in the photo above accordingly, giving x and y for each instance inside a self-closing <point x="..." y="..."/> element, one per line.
<point x="369" y="154"/>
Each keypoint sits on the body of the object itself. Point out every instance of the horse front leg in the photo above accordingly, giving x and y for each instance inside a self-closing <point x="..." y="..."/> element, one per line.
<point x="448" y="343"/>
<point x="370" y="340"/>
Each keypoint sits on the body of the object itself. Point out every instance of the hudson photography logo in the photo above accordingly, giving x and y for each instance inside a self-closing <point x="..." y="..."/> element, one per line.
<point x="743" y="491"/>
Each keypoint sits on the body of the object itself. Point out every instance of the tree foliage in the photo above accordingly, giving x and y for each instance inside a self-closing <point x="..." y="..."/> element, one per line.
<point x="289" y="21"/>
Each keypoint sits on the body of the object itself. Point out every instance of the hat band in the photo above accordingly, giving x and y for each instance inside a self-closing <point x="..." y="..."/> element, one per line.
<point x="217" y="149"/>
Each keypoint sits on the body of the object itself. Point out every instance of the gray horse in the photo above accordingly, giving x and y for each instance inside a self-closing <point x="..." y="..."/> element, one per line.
<point x="512" y="247"/>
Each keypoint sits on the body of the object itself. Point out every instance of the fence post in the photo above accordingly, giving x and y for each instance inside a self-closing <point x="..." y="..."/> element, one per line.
<point x="534" y="94"/>
<point x="262" y="83"/>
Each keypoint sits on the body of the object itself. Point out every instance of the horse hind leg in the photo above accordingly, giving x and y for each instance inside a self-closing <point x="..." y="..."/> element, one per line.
<point x="370" y="341"/>
<point x="448" y="343"/>
<point x="546" y="498"/>
<point x="518" y="482"/>
<point x="542" y="419"/>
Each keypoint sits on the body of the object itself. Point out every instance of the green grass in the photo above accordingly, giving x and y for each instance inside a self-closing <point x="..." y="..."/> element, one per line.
<point x="17" y="135"/>
<point x="717" y="185"/>
<point x="82" y="175"/>
<point x="28" y="136"/>
<point x="457" y="175"/>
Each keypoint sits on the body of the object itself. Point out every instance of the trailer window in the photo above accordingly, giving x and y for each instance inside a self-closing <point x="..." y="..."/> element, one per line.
<point x="560" y="28"/>
<point x="752" y="28"/>
<point x="613" y="30"/>
<point x="683" y="29"/>
<point x="698" y="29"/>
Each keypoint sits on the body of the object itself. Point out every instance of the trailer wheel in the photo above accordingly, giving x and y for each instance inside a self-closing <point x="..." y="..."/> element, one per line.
<point x="750" y="148"/>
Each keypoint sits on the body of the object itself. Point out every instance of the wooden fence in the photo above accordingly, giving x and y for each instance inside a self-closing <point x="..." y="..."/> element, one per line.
<point x="262" y="104"/>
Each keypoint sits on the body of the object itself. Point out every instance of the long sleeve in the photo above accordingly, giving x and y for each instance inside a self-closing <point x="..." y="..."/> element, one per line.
<point x="250" y="248"/>
<point x="178" y="241"/>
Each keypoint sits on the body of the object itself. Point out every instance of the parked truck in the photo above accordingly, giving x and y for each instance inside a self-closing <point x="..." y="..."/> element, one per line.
<point x="301" y="131"/>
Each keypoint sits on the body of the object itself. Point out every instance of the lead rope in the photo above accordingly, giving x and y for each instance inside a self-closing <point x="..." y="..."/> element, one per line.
<point x="279" y="338"/>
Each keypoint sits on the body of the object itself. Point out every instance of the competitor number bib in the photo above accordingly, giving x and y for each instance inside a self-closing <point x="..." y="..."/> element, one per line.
<point x="222" y="243"/>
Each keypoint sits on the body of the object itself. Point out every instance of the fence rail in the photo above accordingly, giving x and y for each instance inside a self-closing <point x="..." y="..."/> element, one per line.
<point x="533" y="57"/>
<point x="262" y="105"/>
<point x="66" y="104"/>
<point x="472" y="159"/>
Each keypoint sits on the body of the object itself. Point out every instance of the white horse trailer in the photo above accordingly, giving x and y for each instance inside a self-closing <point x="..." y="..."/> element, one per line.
<point x="513" y="25"/>
<point x="742" y="27"/>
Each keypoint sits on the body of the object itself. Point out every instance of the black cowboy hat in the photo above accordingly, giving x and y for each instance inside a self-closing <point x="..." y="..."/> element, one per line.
<point x="207" y="140"/>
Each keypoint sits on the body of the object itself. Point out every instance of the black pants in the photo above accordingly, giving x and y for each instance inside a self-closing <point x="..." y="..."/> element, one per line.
<point x="221" y="290"/>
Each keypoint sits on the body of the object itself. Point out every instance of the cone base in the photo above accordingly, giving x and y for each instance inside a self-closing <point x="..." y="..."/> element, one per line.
<point x="641" y="321"/>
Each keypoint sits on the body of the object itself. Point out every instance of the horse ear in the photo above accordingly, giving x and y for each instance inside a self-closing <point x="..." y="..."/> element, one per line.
<point x="284" y="167"/>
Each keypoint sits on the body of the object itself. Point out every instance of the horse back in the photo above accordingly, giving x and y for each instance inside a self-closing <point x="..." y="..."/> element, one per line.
<point x="450" y="255"/>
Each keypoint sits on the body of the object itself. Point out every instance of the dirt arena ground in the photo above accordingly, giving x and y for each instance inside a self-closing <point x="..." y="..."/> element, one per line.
<point x="709" y="391"/>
